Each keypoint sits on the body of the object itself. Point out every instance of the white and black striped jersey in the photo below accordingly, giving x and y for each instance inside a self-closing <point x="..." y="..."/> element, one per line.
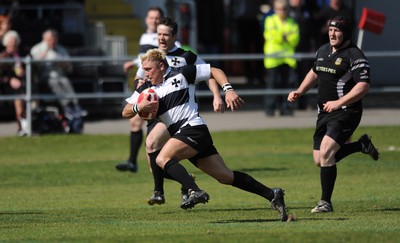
<point x="339" y="72"/>
<point x="147" y="41"/>
<point x="177" y="104"/>
<point x="177" y="57"/>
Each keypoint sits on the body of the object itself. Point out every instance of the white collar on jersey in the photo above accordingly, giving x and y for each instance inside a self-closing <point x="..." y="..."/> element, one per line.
<point x="173" y="49"/>
<point x="166" y="73"/>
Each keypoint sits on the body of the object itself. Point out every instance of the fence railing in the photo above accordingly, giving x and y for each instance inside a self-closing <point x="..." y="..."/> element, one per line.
<point x="28" y="97"/>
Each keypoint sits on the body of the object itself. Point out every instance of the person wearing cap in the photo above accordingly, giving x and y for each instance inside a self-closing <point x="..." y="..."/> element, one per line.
<point x="342" y="73"/>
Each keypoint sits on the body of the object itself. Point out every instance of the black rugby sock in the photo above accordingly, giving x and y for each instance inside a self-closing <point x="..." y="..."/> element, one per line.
<point x="180" y="174"/>
<point x="347" y="149"/>
<point x="328" y="178"/>
<point x="247" y="183"/>
<point x="158" y="173"/>
<point x="136" y="139"/>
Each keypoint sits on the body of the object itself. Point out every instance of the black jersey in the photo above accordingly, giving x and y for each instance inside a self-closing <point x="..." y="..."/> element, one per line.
<point x="339" y="72"/>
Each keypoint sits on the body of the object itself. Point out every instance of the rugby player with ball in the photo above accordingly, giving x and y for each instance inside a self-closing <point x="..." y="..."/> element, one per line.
<point x="190" y="137"/>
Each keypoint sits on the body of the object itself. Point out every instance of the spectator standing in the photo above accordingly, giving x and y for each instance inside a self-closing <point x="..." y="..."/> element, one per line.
<point x="55" y="73"/>
<point x="281" y="34"/>
<point x="335" y="8"/>
<point x="249" y="37"/>
<point x="212" y="31"/>
<point x="302" y="14"/>
<point x="342" y="73"/>
<point x="12" y="77"/>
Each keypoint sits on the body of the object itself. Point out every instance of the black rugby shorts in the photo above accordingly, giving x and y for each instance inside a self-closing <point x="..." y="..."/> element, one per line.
<point x="338" y="125"/>
<point x="199" y="138"/>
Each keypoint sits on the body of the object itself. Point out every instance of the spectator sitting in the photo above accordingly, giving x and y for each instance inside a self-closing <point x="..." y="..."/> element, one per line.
<point x="55" y="72"/>
<point x="12" y="77"/>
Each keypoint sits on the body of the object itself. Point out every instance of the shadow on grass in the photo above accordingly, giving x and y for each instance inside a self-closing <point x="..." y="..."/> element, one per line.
<point x="380" y="210"/>
<point x="261" y="169"/>
<point x="246" y="221"/>
<point x="260" y="220"/>
<point x="389" y="209"/>
<point x="227" y="209"/>
<point x="208" y="210"/>
<point x="323" y="219"/>
<point x="298" y="208"/>
<point x="230" y="221"/>
<point x="20" y="213"/>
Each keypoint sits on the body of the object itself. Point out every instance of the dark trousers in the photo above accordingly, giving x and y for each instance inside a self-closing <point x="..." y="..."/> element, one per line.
<point x="279" y="78"/>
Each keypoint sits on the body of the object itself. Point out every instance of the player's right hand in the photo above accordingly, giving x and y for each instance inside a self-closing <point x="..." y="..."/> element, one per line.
<point x="233" y="101"/>
<point x="293" y="96"/>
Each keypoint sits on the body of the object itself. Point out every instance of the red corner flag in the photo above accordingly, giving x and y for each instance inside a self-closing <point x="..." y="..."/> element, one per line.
<point x="372" y="21"/>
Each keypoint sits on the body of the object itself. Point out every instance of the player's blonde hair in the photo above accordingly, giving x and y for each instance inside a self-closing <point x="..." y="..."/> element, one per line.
<point x="154" y="55"/>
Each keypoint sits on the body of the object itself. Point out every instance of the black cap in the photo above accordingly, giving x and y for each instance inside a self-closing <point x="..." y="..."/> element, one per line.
<point x="344" y="24"/>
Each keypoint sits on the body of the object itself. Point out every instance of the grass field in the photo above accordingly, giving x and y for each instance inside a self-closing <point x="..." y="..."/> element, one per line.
<point x="65" y="188"/>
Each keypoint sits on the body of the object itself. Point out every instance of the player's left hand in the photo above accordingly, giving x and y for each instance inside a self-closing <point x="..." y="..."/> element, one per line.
<point x="233" y="101"/>
<point x="331" y="106"/>
<point x="218" y="105"/>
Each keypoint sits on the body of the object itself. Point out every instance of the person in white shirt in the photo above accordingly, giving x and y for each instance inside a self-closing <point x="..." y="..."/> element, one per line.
<point x="55" y="73"/>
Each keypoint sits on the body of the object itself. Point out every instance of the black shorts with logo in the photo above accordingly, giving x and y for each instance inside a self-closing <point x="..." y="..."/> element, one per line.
<point x="338" y="125"/>
<point x="199" y="138"/>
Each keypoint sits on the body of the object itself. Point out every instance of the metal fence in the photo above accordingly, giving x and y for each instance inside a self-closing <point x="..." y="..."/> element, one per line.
<point x="29" y="96"/>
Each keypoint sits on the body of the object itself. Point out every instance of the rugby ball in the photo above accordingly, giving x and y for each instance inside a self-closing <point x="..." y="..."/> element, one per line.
<point x="146" y="115"/>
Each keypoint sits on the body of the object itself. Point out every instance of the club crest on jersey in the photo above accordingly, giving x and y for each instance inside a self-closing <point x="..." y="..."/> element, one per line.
<point x="176" y="82"/>
<point x="176" y="61"/>
<point x="338" y="61"/>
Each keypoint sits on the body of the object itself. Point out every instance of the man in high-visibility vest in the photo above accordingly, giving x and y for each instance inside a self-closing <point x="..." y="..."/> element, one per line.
<point x="281" y="34"/>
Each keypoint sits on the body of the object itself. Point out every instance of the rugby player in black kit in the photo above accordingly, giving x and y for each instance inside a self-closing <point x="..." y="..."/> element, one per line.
<point x="342" y="73"/>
